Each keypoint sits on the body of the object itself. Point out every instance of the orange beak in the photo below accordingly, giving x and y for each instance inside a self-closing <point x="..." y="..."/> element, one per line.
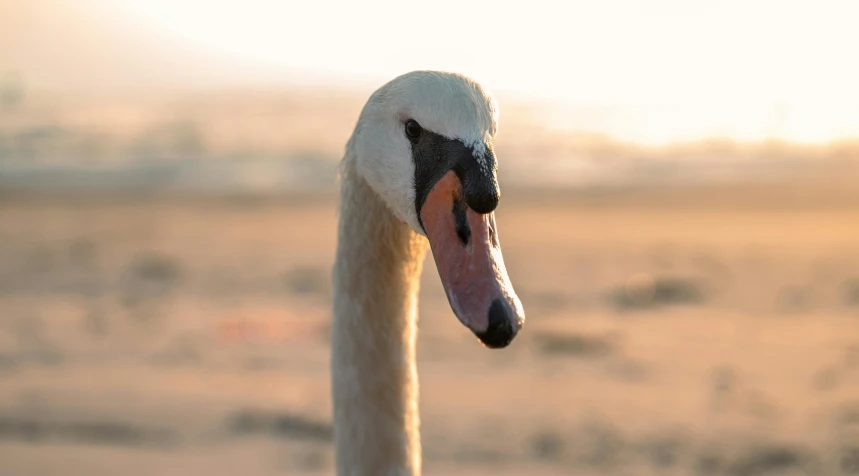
<point x="467" y="254"/>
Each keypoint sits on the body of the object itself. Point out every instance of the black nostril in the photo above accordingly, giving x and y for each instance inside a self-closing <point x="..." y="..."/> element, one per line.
<point x="460" y="221"/>
<point x="500" y="332"/>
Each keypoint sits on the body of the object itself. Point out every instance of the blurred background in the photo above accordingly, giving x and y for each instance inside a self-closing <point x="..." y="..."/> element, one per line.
<point x="680" y="220"/>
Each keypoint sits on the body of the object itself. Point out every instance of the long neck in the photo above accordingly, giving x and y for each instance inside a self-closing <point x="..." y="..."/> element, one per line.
<point x="374" y="377"/>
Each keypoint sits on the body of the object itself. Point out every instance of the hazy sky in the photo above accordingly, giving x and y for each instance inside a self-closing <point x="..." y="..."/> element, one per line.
<point x="666" y="68"/>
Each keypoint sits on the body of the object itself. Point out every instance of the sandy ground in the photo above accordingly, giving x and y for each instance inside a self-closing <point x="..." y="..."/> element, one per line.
<point x="168" y="337"/>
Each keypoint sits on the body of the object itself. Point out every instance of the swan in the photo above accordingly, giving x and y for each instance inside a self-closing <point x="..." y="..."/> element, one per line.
<point x="419" y="168"/>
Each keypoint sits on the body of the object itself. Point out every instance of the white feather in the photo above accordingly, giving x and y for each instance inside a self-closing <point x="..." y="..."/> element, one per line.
<point x="449" y="104"/>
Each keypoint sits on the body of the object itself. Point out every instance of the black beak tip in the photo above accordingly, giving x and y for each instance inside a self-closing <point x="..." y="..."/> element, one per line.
<point x="500" y="331"/>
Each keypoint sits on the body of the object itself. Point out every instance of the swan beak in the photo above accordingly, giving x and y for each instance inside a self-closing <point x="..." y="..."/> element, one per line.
<point x="468" y="257"/>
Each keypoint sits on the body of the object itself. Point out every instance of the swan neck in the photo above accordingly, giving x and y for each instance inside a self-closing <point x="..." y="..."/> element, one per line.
<point x="375" y="385"/>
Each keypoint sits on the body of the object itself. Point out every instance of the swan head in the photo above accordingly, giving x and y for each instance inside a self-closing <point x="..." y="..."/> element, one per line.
<point x="424" y="144"/>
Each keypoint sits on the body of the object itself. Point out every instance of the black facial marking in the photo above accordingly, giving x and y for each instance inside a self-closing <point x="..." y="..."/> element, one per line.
<point x="463" y="231"/>
<point x="435" y="155"/>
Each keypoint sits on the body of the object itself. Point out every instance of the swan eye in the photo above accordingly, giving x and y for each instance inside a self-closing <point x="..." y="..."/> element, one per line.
<point x="413" y="129"/>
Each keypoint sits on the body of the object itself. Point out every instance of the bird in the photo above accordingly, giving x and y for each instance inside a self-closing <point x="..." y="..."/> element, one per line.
<point x="419" y="172"/>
